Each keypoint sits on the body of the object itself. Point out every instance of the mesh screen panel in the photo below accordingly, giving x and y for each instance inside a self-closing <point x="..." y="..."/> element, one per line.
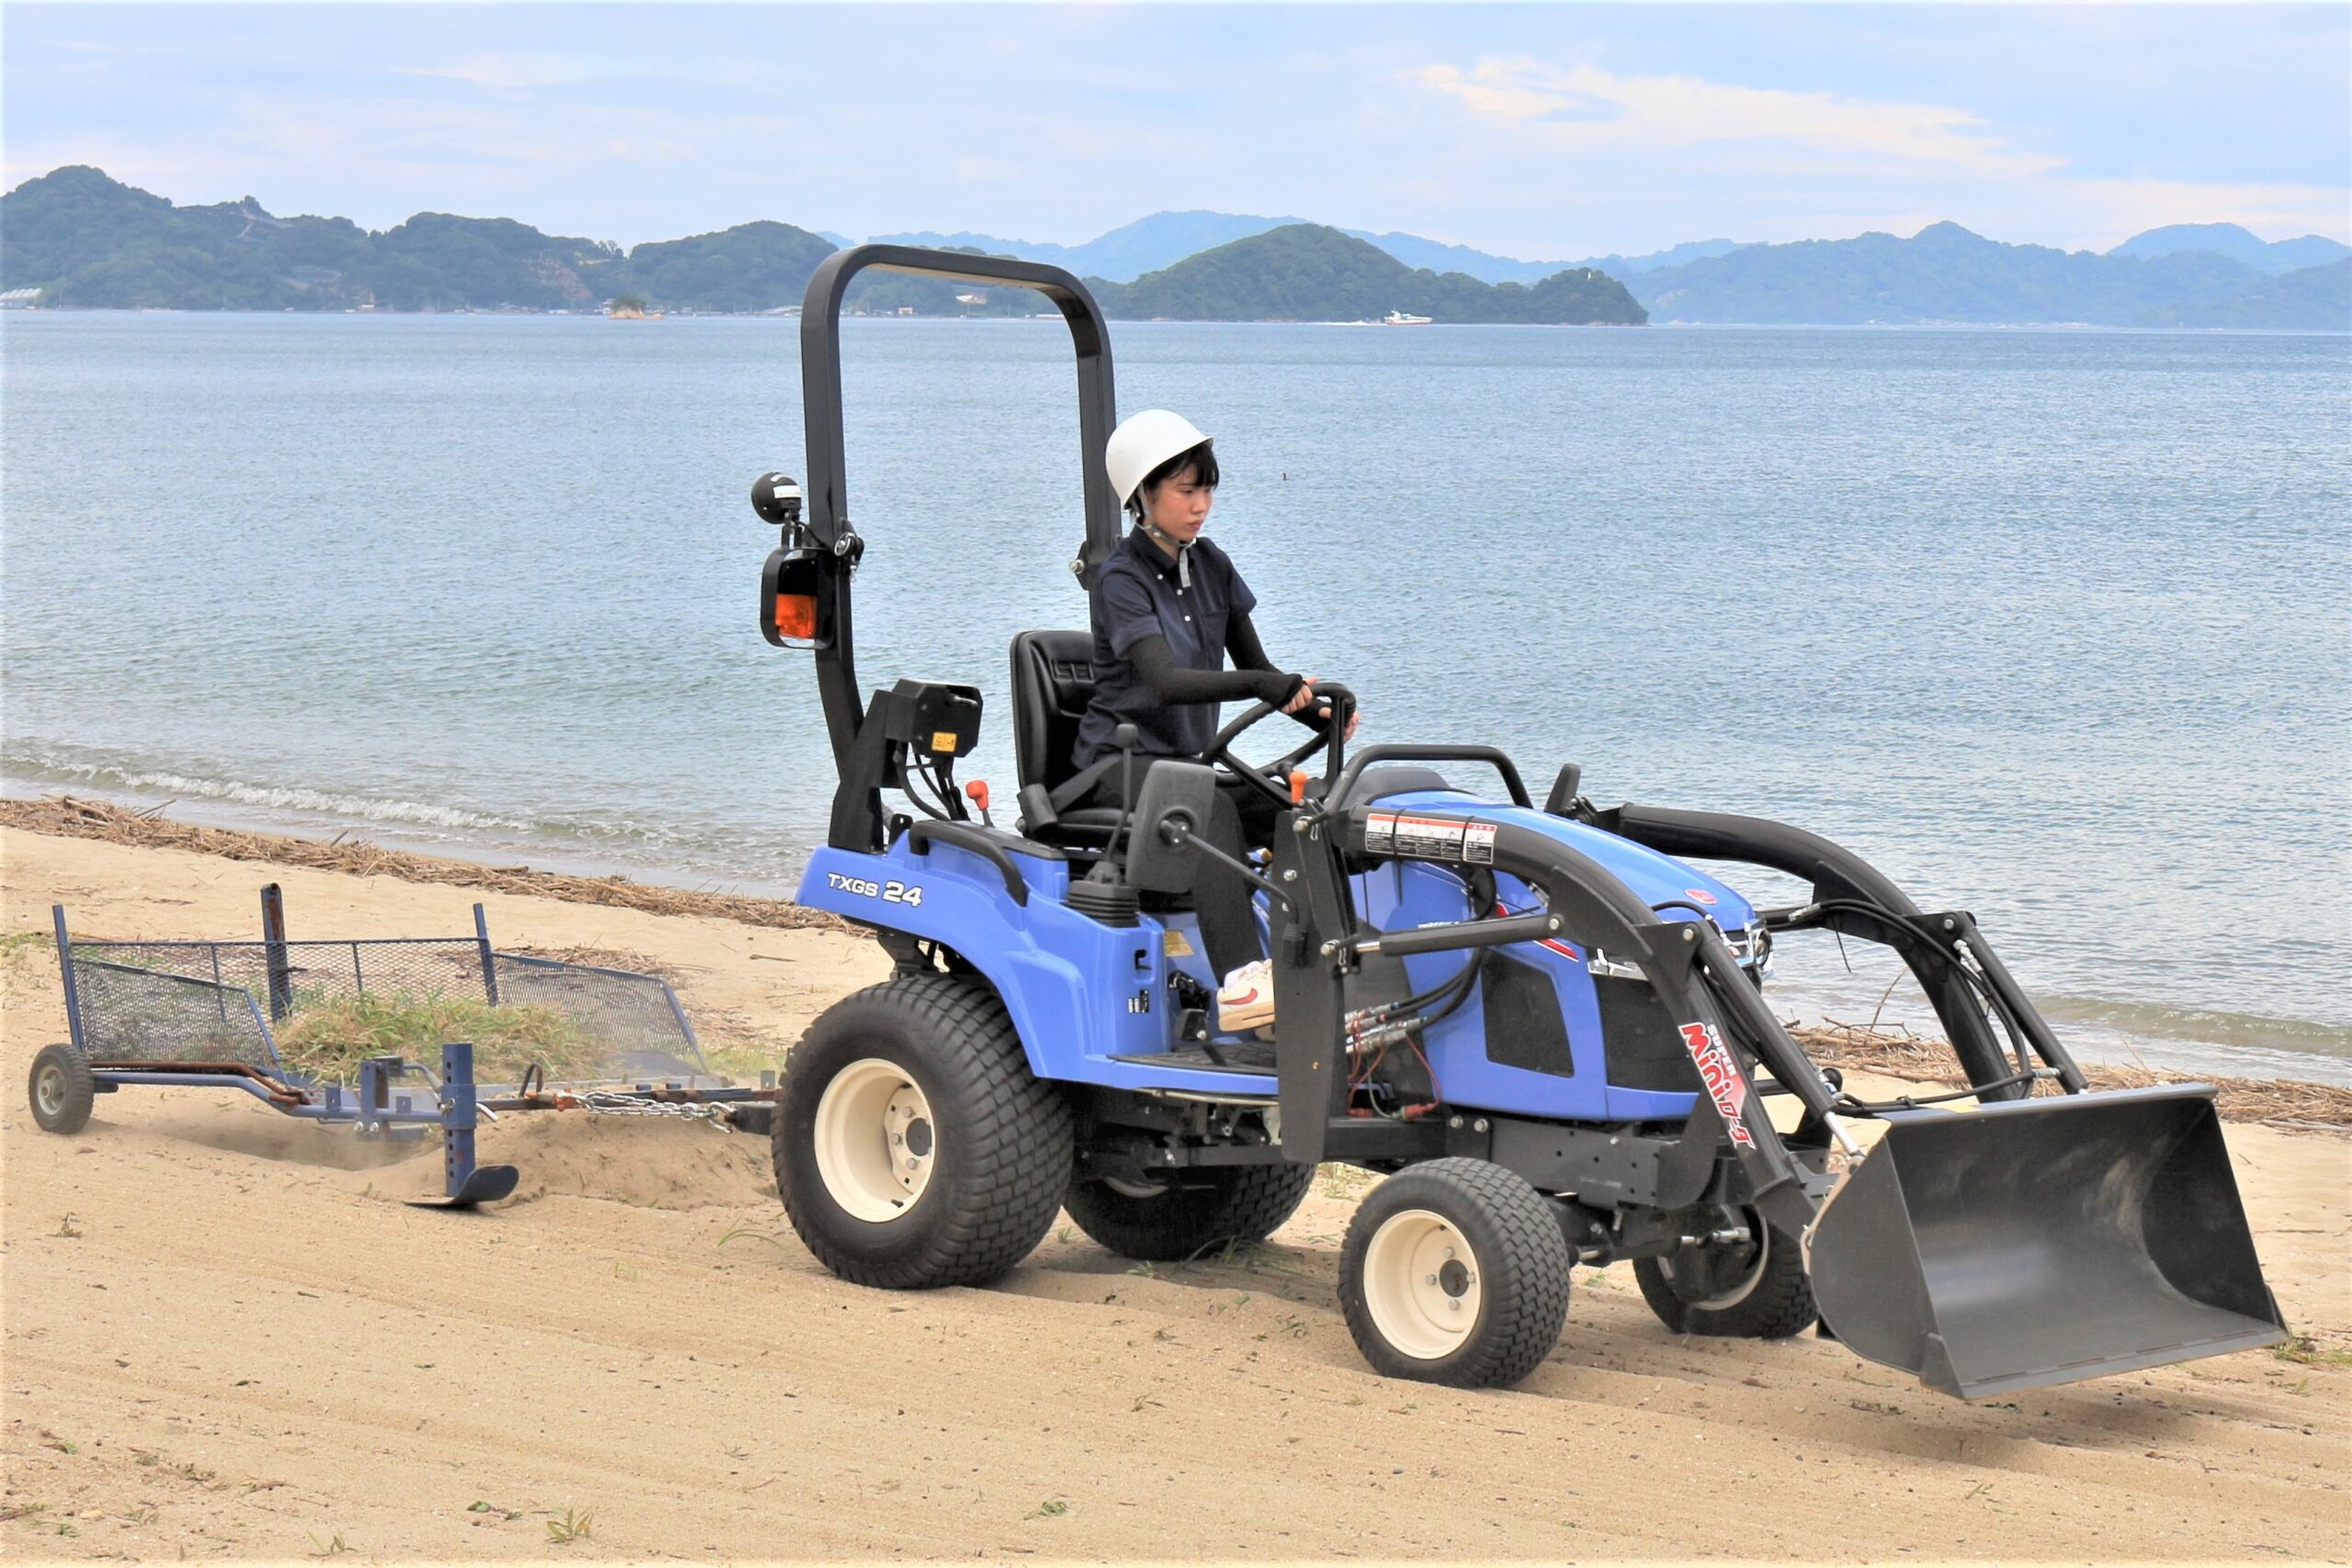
<point x="634" y="1017"/>
<point x="134" y="1014"/>
<point x="313" y="1010"/>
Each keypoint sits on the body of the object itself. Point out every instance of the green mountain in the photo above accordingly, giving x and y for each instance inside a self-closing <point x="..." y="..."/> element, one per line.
<point x="2311" y="298"/>
<point x="2238" y="244"/>
<point x="1414" y="250"/>
<point x="753" y="266"/>
<point x="1306" y="272"/>
<point x="1160" y="240"/>
<point x="1944" y="274"/>
<point x="86" y="239"/>
<point x="436" y="262"/>
<point x="1124" y="254"/>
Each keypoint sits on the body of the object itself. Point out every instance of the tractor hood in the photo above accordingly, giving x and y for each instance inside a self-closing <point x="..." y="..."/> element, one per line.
<point x="1677" y="890"/>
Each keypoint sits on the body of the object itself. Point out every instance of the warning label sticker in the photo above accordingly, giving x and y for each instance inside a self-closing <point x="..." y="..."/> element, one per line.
<point x="1429" y="838"/>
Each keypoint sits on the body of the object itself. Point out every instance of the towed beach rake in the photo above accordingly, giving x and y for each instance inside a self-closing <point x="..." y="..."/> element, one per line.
<point x="318" y="1030"/>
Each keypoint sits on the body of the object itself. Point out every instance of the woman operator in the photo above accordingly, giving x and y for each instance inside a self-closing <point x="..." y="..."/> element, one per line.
<point x="1167" y="608"/>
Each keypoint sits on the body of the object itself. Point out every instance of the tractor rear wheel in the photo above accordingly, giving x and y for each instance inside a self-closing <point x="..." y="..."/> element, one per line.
<point x="61" y="1090"/>
<point x="1183" y="1217"/>
<point x="1455" y="1272"/>
<point x="913" y="1146"/>
<point x="1751" y="1290"/>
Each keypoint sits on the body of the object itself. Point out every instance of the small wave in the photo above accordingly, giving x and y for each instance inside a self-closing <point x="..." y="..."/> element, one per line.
<point x="2157" y="1020"/>
<point x="583" y="845"/>
<point x="51" y="769"/>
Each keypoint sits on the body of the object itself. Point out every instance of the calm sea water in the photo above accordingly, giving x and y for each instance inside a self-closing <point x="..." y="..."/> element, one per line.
<point x="2051" y="625"/>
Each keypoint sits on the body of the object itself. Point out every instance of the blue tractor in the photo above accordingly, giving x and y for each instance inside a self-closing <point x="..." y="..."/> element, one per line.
<point x="1540" y="1023"/>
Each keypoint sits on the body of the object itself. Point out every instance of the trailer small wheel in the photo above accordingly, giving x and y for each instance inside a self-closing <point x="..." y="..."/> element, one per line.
<point x="1754" y="1289"/>
<point x="913" y="1147"/>
<point x="1184" y="1216"/>
<point x="61" y="1090"/>
<point x="1455" y="1272"/>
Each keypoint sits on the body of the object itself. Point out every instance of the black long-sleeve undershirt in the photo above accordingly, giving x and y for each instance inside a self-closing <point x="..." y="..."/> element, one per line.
<point x="1253" y="676"/>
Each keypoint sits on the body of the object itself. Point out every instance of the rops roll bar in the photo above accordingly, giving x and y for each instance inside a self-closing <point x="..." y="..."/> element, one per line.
<point x="826" y="547"/>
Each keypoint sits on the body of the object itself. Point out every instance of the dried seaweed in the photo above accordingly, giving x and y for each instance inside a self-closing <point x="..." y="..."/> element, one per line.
<point x="2278" y="1102"/>
<point x="327" y="1037"/>
<point x="67" y="816"/>
<point x="2290" y="1103"/>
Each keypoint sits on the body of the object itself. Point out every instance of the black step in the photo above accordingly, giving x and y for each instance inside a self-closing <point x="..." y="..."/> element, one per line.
<point x="1253" y="1056"/>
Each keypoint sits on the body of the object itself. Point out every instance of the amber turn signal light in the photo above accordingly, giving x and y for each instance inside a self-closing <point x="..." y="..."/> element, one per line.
<point x="795" y="615"/>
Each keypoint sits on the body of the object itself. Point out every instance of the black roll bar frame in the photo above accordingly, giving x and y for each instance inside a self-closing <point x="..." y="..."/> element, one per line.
<point x="828" y="531"/>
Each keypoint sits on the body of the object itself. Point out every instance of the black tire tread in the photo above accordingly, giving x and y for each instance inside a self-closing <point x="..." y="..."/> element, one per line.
<point x="1247" y="1203"/>
<point x="81" y="1088"/>
<point x="1529" y="1301"/>
<point x="1781" y="1306"/>
<point x="1017" y="1132"/>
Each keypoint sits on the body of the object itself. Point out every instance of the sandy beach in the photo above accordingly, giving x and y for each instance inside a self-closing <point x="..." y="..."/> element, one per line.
<point x="226" y="1336"/>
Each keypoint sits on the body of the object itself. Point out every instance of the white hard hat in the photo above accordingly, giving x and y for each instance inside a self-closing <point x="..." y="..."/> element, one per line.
<point x="1142" y="443"/>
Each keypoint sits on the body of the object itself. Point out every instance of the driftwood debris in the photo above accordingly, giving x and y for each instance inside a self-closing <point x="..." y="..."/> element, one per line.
<point x="66" y="817"/>
<point x="2279" y="1102"/>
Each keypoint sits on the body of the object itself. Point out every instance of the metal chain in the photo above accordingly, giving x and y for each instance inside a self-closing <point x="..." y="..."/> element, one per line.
<point x="606" y="1102"/>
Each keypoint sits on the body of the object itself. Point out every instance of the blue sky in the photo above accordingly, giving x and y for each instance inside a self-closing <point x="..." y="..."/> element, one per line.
<point x="1544" y="132"/>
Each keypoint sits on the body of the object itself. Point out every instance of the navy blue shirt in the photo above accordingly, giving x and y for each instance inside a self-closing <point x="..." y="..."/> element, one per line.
<point x="1139" y="594"/>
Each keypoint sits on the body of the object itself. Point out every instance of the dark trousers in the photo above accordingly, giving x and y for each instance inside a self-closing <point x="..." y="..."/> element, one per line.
<point x="1241" y="818"/>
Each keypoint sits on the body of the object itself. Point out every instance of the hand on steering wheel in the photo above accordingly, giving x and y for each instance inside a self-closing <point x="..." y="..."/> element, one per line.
<point x="1273" y="779"/>
<point x="1305" y="695"/>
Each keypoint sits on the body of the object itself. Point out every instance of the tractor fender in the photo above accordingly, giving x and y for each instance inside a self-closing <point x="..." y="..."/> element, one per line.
<point x="1037" y="956"/>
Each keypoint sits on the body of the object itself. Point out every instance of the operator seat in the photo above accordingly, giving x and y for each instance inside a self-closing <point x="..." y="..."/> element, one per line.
<point x="1053" y="680"/>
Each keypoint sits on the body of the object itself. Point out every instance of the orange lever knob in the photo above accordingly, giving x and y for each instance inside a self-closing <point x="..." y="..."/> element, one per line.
<point x="1297" y="785"/>
<point x="977" y="790"/>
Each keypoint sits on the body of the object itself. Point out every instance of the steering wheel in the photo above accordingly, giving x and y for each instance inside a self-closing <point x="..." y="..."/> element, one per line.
<point x="1273" y="779"/>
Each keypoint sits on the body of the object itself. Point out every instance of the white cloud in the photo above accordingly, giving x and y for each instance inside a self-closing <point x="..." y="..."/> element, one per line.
<point x="2107" y="211"/>
<point x="1584" y="107"/>
<point x="515" y="71"/>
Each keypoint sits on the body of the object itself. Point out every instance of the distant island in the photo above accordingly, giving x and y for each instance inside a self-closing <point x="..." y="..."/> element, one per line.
<point x="1308" y="273"/>
<point x="75" y="237"/>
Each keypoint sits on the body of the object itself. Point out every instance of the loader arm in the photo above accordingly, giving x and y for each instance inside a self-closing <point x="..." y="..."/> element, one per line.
<point x="1724" y="1025"/>
<point x="2035" y="1241"/>
<point x="1952" y="962"/>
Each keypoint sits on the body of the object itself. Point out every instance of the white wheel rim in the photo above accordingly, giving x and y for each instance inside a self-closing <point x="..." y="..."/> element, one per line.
<point x="1135" y="1189"/>
<point x="50" y="1089"/>
<point x="1422" y="1285"/>
<point x="1747" y="1287"/>
<point x="875" y="1140"/>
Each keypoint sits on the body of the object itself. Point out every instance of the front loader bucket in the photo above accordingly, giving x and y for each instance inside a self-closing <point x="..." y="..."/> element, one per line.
<point x="2042" y="1241"/>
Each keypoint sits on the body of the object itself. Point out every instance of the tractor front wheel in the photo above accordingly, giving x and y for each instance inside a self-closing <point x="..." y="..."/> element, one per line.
<point x="1182" y="1217"/>
<point x="1455" y="1272"/>
<point x="1754" y="1289"/>
<point x="61" y="1090"/>
<point x="913" y="1146"/>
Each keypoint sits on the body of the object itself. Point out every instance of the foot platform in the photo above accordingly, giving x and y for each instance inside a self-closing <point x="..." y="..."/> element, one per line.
<point x="1255" y="1057"/>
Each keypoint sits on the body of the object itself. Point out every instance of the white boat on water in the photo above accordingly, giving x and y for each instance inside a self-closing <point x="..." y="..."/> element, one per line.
<point x="1400" y="319"/>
